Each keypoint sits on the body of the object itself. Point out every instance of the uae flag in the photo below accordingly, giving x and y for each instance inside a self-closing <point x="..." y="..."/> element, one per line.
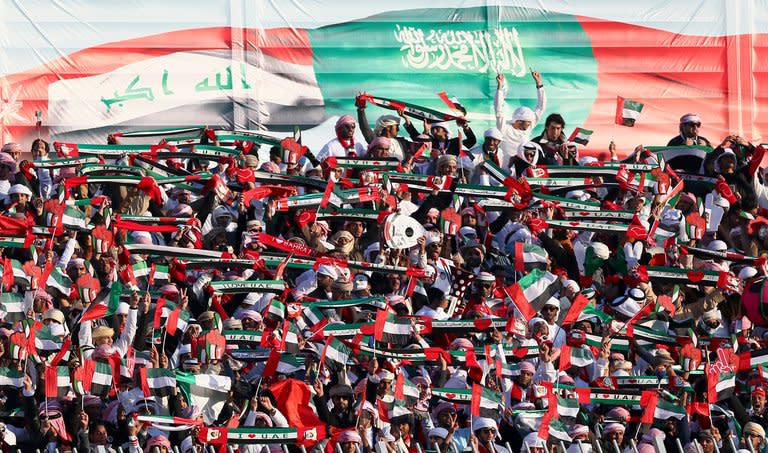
<point x="720" y="385"/>
<point x="178" y="319"/>
<point x="688" y="159"/>
<point x="105" y="304"/>
<point x="215" y="346"/>
<point x="277" y="309"/>
<point x="485" y="402"/>
<point x="74" y="218"/>
<point x="335" y="354"/>
<point x="207" y="391"/>
<point x="532" y="291"/>
<point x="46" y="342"/>
<point x="101" y="379"/>
<point x="59" y="281"/>
<point x="571" y="356"/>
<point x="580" y="136"/>
<point x="12" y="307"/>
<point x="627" y="111"/>
<point x="559" y="431"/>
<point x="157" y="382"/>
<point x="392" y="329"/>
<point x="57" y="382"/>
<point x="286" y="364"/>
<point x="568" y="407"/>
<point x="11" y="378"/>
<point x="405" y="390"/>
<point x="666" y="410"/>
<point x="293" y="400"/>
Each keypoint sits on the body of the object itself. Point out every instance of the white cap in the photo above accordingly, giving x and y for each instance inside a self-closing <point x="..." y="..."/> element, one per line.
<point x="493" y="133"/>
<point x="523" y="114"/>
<point x="747" y="272"/>
<point x="360" y="283"/>
<point x="586" y="160"/>
<point x="578" y="195"/>
<point x="533" y="440"/>
<point x="601" y="250"/>
<point x="690" y="118"/>
<point x="717" y="246"/>
<point x="468" y="231"/>
<point x="122" y="309"/>
<point x="483" y="422"/>
<point x="438" y="432"/>
<point x="552" y="301"/>
<point x="19" y="189"/>
<point x="330" y="271"/>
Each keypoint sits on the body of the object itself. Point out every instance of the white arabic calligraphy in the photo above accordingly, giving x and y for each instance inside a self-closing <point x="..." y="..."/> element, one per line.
<point x="480" y="50"/>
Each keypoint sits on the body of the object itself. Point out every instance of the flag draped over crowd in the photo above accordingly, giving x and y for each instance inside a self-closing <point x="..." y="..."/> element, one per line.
<point x="428" y="290"/>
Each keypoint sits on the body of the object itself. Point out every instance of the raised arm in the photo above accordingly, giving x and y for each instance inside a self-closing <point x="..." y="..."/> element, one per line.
<point x="498" y="100"/>
<point x="541" y="103"/>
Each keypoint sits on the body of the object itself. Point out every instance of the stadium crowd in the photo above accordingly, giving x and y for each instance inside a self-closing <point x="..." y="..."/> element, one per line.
<point x="428" y="290"/>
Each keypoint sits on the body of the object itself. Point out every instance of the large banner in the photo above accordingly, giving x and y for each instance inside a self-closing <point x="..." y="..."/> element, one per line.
<point x="91" y="68"/>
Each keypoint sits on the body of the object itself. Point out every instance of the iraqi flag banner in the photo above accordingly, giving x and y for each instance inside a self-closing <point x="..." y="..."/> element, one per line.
<point x="157" y="382"/>
<point x="627" y="111"/>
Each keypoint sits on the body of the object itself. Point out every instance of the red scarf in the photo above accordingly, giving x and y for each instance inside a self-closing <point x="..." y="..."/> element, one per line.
<point x="347" y="143"/>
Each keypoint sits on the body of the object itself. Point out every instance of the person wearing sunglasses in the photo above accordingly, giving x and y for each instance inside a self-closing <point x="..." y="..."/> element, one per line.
<point x="485" y="435"/>
<point x="690" y="124"/>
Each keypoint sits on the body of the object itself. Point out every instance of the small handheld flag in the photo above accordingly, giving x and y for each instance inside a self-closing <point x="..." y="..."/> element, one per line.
<point x="627" y="111"/>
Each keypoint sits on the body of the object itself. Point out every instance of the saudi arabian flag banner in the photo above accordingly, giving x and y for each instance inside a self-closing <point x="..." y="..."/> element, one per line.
<point x="580" y="136"/>
<point x="207" y="391"/>
<point x="11" y="378"/>
<point x="627" y="111"/>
